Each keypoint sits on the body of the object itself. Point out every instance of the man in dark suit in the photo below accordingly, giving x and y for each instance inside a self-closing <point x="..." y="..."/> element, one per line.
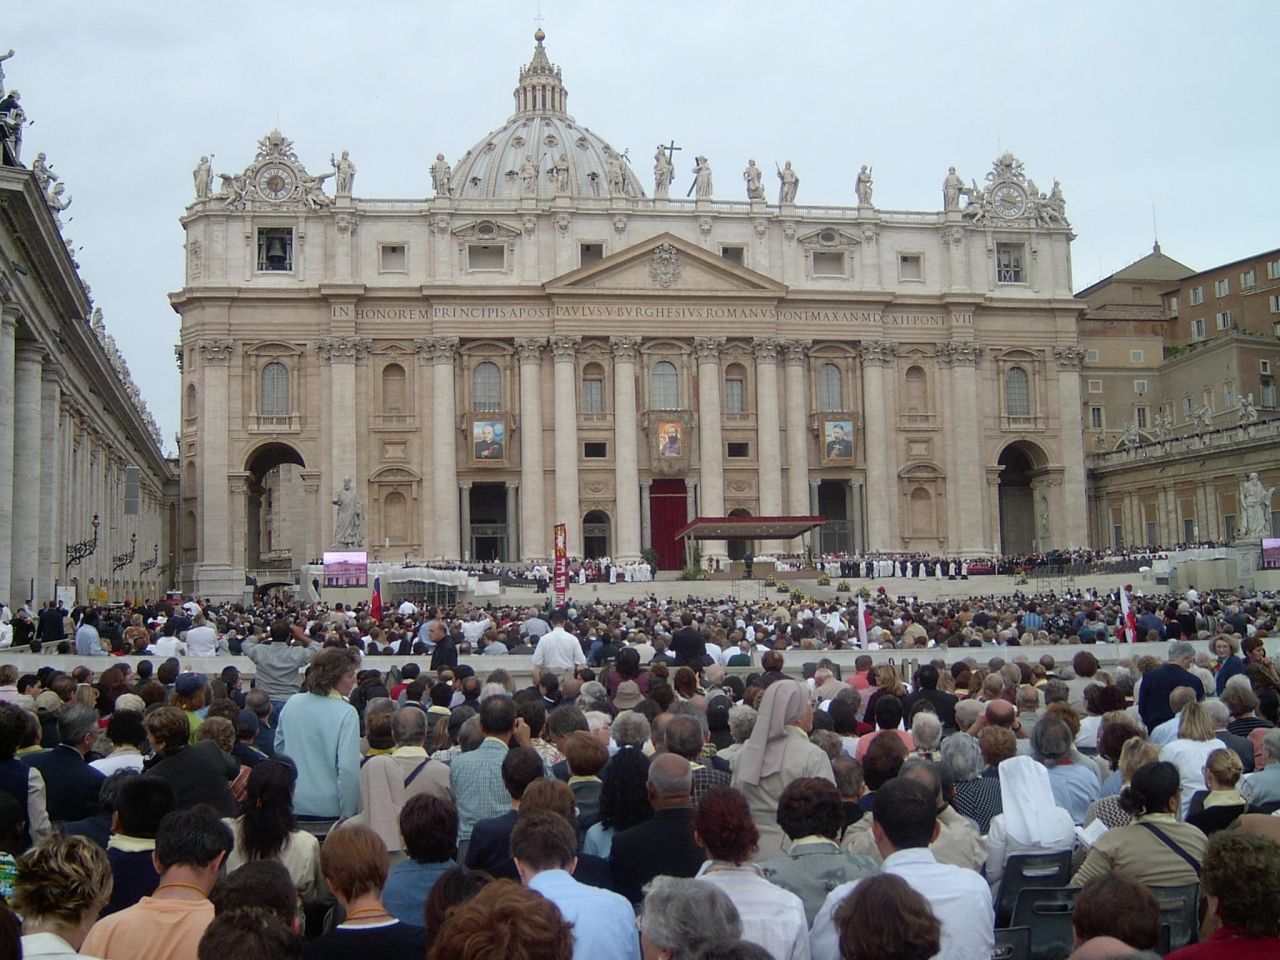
<point x="663" y="845"/>
<point x="944" y="704"/>
<point x="490" y="847"/>
<point x="71" y="785"/>
<point x="52" y="623"/>
<point x="687" y="643"/>
<point x="1159" y="682"/>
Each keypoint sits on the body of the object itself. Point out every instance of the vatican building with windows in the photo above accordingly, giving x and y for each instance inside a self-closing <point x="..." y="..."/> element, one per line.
<point x="553" y="336"/>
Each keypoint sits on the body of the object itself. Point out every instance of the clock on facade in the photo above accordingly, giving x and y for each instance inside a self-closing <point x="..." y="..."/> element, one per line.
<point x="1009" y="200"/>
<point x="275" y="182"/>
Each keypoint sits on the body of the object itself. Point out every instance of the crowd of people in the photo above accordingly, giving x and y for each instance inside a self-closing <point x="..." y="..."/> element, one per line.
<point x="677" y="780"/>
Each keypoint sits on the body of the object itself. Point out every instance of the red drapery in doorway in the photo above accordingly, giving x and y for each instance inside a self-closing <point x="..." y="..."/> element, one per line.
<point x="668" y="512"/>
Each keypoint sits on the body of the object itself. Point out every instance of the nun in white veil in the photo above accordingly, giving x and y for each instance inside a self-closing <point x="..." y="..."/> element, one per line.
<point x="777" y="753"/>
<point x="1031" y="821"/>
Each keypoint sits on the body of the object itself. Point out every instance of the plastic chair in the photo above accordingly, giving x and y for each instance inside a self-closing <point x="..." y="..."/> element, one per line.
<point x="1030" y="870"/>
<point x="1180" y="911"/>
<point x="1012" y="943"/>
<point x="1047" y="912"/>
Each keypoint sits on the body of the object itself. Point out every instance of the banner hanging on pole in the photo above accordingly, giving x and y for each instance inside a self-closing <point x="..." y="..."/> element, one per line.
<point x="561" y="575"/>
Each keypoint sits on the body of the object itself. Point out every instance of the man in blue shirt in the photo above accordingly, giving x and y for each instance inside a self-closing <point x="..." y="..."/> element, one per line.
<point x="88" y="641"/>
<point x="545" y="848"/>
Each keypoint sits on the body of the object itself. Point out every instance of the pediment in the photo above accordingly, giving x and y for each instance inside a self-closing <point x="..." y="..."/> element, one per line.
<point x="666" y="264"/>
<point x="833" y="238"/>
<point x="489" y="231"/>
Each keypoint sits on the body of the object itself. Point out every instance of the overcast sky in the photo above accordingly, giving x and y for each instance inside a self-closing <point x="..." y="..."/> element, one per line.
<point x="1129" y="104"/>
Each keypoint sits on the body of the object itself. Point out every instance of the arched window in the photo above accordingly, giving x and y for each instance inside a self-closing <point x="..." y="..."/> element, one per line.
<point x="274" y="401"/>
<point x="917" y="391"/>
<point x="486" y="388"/>
<point x="735" y="389"/>
<point x="393" y="390"/>
<point x="1017" y="393"/>
<point x="189" y="479"/>
<point x="189" y="410"/>
<point x="593" y="388"/>
<point x="666" y="386"/>
<point x="189" y="531"/>
<point x="830" y="388"/>
<point x="395" y="518"/>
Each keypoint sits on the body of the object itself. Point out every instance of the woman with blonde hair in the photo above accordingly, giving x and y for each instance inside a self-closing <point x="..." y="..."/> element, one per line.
<point x="1190" y="751"/>
<point x="1218" y="807"/>
<point x="61" y="887"/>
<point x="1136" y="753"/>
<point x="888" y="683"/>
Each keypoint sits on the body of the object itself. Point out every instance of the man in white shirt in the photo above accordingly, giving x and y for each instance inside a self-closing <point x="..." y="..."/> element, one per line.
<point x="558" y="651"/>
<point x="407" y="609"/>
<point x="202" y="639"/>
<point x="905" y="824"/>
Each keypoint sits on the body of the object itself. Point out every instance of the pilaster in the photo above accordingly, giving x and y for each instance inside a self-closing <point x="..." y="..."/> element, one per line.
<point x="626" y="456"/>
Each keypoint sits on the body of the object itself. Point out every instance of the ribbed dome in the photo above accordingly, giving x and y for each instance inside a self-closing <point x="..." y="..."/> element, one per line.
<point x="541" y="133"/>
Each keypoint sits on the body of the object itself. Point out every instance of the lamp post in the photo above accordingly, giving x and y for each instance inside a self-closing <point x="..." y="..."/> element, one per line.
<point x="85" y="548"/>
<point x="122" y="560"/>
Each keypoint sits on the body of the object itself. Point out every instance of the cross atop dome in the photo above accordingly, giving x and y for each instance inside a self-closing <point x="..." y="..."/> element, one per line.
<point x="540" y="90"/>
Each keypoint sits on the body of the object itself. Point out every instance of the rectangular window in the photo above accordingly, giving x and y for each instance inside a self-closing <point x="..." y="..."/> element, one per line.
<point x="1248" y="279"/>
<point x="735" y="396"/>
<point x="1188" y="530"/>
<point x="1140" y="414"/>
<point x="1172" y="306"/>
<point x="275" y="249"/>
<point x="590" y="253"/>
<point x="911" y="266"/>
<point x="828" y="264"/>
<point x="1273" y="302"/>
<point x="595" y="450"/>
<point x="1095" y="386"/>
<point x="1009" y="263"/>
<point x="593" y="396"/>
<point x="1139" y="386"/>
<point x="1221" y="287"/>
<point x="1091" y="356"/>
<point x="1197" y="329"/>
<point x="1228" y="396"/>
<point x="1197" y="296"/>
<point x="1268" y="386"/>
<point x="1223" y="319"/>
<point x="486" y="256"/>
<point x="1188" y="407"/>
<point x="1095" y="418"/>
<point x="1264" y="366"/>
<point x="1229" y="526"/>
<point x="739" y="451"/>
<point x="1275" y="329"/>
<point x="1273" y="269"/>
<point x="734" y="254"/>
<point x="1137" y="356"/>
<point x="392" y="258"/>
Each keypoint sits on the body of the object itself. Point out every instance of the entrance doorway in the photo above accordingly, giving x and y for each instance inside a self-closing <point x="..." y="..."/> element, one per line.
<point x="738" y="548"/>
<point x="489" y="522"/>
<point x="1017" y="509"/>
<point x="837" y="532"/>
<point x="668" y="512"/>
<point x="595" y="535"/>
<point x="275" y="504"/>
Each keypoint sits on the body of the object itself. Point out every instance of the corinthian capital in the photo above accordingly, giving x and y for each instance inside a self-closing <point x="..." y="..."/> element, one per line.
<point x="529" y="349"/>
<point x="215" y="351"/>
<point x="343" y="349"/>
<point x="796" y="351"/>
<point x="708" y="348"/>
<point x="565" y="347"/>
<point x="877" y="351"/>
<point x="1070" y="358"/>
<point x="766" y="349"/>
<point x="439" y="349"/>
<point x="624" y="348"/>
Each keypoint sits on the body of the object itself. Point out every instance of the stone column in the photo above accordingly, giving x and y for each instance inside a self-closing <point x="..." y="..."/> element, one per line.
<point x="533" y="501"/>
<point x="513" y="528"/>
<point x="796" y="353"/>
<point x="341" y="354"/>
<point x="52" y="466"/>
<point x="444" y="446"/>
<point x="768" y="435"/>
<point x="710" y="439"/>
<point x="29" y="359"/>
<point x="8" y="329"/>
<point x="626" y="471"/>
<point x="464" y="500"/>
<point x="881" y="483"/>
<point x="963" y="357"/>
<point x="646" y="531"/>
<point x="568" y="510"/>
<point x="215" y="575"/>
<point x="1075" y="523"/>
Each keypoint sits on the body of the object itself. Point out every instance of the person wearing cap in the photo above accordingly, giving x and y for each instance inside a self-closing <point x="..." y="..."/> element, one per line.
<point x="628" y="696"/>
<point x="558" y="650"/>
<point x="189" y="695"/>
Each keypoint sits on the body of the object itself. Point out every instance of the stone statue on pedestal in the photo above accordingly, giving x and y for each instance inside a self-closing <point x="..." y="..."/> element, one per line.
<point x="951" y="188"/>
<point x="203" y="177"/>
<point x="1248" y="412"/>
<point x="528" y="177"/>
<point x="702" y="178"/>
<point x="863" y="186"/>
<point x="755" y="184"/>
<point x="790" y="184"/>
<point x="616" y="177"/>
<point x="663" y="172"/>
<point x="3" y="58"/>
<point x="344" y="174"/>
<point x="1130" y="440"/>
<point x="560" y="174"/>
<point x="12" y="118"/>
<point x="1203" y="418"/>
<point x="1255" y="508"/>
<point x="44" y="173"/>
<point x="348" y="526"/>
<point x="440" y="173"/>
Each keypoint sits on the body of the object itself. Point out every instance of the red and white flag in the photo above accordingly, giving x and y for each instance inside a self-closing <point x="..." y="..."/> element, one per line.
<point x="1126" y="614"/>
<point x="862" y="624"/>
<point x="375" y="604"/>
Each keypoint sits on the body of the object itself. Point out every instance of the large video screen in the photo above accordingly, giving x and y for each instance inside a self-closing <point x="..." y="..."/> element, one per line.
<point x="1271" y="553"/>
<point x="347" y="568"/>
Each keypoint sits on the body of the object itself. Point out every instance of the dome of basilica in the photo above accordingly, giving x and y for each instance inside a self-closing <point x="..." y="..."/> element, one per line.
<point x="540" y="151"/>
